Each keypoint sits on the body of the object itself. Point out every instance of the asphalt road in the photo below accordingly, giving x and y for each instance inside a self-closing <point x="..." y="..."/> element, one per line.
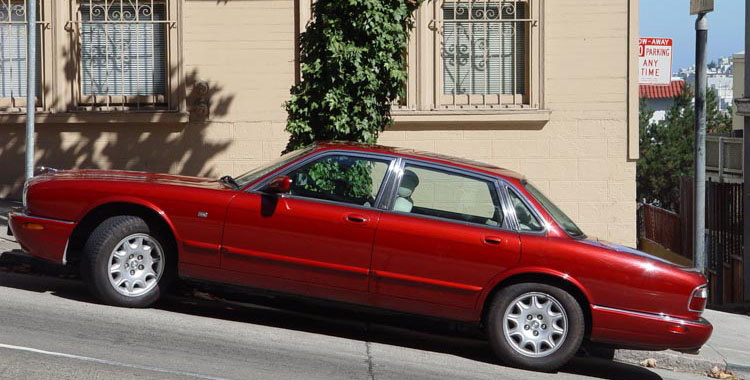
<point x="50" y="328"/>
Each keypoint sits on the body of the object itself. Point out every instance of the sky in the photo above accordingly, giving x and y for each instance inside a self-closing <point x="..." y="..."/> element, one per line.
<point x="672" y="19"/>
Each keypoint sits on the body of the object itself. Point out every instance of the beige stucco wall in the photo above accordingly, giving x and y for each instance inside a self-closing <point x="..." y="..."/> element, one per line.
<point x="245" y="51"/>
<point x="580" y="157"/>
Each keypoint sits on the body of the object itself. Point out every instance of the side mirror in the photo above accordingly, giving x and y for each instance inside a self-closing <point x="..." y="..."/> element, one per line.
<point x="279" y="185"/>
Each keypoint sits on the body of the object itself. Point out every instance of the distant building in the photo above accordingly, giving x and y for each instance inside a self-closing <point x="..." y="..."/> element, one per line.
<point x="660" y="98"/>
<point x="718" y="79"/>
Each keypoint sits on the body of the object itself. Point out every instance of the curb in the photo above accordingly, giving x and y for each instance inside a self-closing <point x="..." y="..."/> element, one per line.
<point x="680" y="362"/>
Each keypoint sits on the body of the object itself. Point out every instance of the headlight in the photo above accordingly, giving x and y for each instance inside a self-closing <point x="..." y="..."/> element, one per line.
<point x="25" y="192"/>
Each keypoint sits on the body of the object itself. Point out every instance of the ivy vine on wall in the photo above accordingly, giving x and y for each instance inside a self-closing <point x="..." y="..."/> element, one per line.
<point x="353" y="66"/>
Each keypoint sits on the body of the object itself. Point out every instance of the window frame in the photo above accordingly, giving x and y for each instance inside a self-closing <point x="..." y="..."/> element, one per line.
<point x="17" y="104"/>
<point x="388" y="203"/>
<point x="258" y="187"/>
<point x="448" y="101"/>
<point x="59" y="98"/>
<point x="108" y="103"/>
<point x="424" y="89"/>
<point x="508" y="187"/>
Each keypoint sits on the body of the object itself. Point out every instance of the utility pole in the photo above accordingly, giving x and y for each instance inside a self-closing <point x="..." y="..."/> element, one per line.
<point x="742" y="106"/>
<point x="699" y="200"/>
<point x="746" y="161"/>
<point x="30" y="84"/>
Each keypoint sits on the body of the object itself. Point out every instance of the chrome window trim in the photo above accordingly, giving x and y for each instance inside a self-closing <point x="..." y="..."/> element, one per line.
<point x="395" y="172"/>
<point x="447" y="168"/>
<point x="508" y="211"/>
<point x="256" y="188"/>
<point x="545" y="224"/>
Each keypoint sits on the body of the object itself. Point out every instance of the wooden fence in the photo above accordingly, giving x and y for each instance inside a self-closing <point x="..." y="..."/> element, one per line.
<point x="724" y="237"/>
<point x="661" y="226"/>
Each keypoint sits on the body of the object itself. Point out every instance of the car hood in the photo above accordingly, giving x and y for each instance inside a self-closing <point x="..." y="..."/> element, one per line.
<point x="131" y="176"/>
<point x="630" y="251"/>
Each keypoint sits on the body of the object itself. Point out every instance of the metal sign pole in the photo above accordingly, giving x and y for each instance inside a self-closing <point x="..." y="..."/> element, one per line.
<point x="30" y="84"/>
<point x="699" y="222"/>
<point x="746" y="162"/>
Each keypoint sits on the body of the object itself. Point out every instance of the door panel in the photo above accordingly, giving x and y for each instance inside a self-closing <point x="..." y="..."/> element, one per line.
<point x="438" y="261"/>
<point x="444" y="238"/>
<point x="321" y="233"/>
<point x="300" y="240"/>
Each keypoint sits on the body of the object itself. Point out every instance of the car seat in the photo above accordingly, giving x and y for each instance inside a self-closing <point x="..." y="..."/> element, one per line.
<point x="409" y="182"/>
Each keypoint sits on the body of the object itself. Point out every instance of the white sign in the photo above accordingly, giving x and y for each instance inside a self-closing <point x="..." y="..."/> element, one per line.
<point x="701" y="6"/>
<point x="655" y="60"/>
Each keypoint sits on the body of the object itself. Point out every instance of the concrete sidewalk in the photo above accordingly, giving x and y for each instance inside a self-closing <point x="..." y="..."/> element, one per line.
<point x="7" y="243"/>
<point x="728" y="349"/>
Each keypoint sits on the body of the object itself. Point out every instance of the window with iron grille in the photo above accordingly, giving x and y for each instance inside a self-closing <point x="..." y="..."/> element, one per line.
<point x="124" y="47"/>
<point x="483" y="52"/>
<point x="13" y="57"/>
<point x="474" y="55"/>
<point x="483" y="48"/>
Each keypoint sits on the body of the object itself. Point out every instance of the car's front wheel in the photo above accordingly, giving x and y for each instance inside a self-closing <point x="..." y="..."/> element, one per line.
<point x="535" y="326"/>
<point x="127" y="262"/>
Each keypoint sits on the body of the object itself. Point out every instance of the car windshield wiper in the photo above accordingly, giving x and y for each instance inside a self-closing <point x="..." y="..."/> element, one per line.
<point x="230" y="181"/>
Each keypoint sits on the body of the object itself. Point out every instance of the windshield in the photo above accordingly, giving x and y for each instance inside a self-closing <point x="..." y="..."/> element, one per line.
<point x="258" y="172"/>
<point x="563" y="220"/>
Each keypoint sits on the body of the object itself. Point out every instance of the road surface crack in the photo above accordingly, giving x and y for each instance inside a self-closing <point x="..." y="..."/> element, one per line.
<point x="370" y="365"/>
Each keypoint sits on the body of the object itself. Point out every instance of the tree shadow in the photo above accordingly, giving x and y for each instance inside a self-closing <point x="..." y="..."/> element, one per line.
<point x="152" y="142"/>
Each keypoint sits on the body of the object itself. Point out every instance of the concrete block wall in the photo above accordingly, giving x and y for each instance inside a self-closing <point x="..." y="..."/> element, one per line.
<point x="245" y="51"/>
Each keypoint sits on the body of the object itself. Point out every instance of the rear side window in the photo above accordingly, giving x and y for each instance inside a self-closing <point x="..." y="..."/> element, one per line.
<point x="443" y="194"/>
<point x="527" y="221"/>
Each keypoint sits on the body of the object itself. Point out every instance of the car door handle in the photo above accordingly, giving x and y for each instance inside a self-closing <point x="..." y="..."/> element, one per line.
<point x="494" y="240"/>
<point x="356" y="218"/>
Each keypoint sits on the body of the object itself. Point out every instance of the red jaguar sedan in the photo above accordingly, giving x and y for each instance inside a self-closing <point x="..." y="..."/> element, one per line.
<point x="383" y="227"/>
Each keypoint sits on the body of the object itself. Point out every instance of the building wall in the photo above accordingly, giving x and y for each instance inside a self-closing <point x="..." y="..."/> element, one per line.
<point x="580" y="156"/>
<point x="245" y="51"/>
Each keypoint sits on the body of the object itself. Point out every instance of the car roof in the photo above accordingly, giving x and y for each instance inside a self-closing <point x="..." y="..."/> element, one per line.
<point x="418" y="154"/>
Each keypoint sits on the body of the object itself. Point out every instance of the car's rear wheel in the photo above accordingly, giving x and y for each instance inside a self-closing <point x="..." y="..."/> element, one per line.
<point x="127" y="263"/>
<point x="535" y="326"/>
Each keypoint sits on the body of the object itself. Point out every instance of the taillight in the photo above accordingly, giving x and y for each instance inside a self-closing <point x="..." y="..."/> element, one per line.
<point x="698" y="299"/>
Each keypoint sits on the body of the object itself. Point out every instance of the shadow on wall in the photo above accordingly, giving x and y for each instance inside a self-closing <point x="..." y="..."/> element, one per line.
<point x="152" y="146"/>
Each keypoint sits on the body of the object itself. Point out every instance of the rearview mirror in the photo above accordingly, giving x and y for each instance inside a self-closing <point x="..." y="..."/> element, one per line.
<point x="279" y="185"/>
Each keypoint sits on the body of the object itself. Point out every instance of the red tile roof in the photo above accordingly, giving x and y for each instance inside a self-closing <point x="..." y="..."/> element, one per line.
<point x="668" y="91"/>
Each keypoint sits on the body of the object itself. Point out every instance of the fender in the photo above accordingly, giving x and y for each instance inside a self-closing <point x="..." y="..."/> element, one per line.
<point x="524" y="270"/>
<point x="133" y="200"/>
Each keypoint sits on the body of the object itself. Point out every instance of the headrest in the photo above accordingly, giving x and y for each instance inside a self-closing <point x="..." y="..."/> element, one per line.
<point x="409" y="182"/>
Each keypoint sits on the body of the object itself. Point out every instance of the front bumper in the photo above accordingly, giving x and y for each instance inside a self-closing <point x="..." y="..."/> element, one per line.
<point x="636" y="330"/>
<point x="41" y="237"/>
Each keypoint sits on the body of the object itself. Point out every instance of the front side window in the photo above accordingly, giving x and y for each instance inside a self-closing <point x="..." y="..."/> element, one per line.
<point x="123" y="51"/>
<point x="13" y="55"/>
<point x="442" y="194"/>
<point x="484" y="48"/>
<point x="340" y="178"/>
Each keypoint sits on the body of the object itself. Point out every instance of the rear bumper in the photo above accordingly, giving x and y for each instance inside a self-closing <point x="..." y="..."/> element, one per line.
<point x="41" y="237"/>
<point x="646" y="331"/>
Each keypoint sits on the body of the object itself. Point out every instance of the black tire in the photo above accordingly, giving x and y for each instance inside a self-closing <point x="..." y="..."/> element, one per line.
<point x="505" y="349"/>
<point x="96" y="256"/>
<point x="593" y="350"/>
